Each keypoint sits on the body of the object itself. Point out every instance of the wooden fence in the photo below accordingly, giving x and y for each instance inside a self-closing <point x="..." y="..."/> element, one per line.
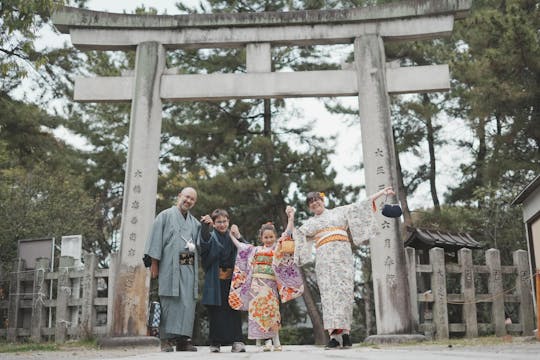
<point x="433" y="304"/>
<point x="40" y="304"/>
<point x="29" y="310"/>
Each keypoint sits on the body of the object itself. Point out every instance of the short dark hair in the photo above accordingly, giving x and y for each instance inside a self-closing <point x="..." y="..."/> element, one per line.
<point x="219" y="212"/>
<point x="312" y="196"/>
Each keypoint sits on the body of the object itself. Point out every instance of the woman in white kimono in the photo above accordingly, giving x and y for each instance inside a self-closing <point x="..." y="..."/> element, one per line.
<point x="329" y="231"/>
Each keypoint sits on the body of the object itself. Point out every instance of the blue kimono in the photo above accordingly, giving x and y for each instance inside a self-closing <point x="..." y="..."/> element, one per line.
<point x="218" y="254"/>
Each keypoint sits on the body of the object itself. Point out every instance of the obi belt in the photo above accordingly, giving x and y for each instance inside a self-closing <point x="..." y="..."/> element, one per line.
<point x="330" y="234"/>
<point x="262" y="265"/>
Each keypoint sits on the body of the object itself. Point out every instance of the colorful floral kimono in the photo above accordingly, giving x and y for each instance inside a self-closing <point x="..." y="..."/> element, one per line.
<point x="329" y="232"/>
<point x="262" y="277"/>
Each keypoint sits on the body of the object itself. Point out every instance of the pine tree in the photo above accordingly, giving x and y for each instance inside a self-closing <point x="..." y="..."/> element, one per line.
<point x="497" y="67"/>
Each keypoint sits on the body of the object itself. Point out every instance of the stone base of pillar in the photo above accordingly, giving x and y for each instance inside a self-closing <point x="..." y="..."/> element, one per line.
<point x="394" y="339"/>
<point x="131" y="341"/>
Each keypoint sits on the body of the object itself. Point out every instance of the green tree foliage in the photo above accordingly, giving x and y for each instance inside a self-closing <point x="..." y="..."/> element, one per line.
<point x="23" y="23"/>
<point x="496" y="66"/>
<point x="37" y="203"/>
<point x="495" y="63"/>
<point x="25" y="133"/>
<point x="20" y="22"/>
<point x="416" y="130"/>
<point x="42" y="190"/>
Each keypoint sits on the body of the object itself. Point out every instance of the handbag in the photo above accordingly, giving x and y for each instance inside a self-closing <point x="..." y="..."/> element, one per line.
<point x="391" y="210"/>
<point x="154" y="315"/>
<point x="287" y="245"/>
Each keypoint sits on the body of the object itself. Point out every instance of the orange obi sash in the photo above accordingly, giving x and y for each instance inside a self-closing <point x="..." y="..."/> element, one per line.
<point x="330" y="234"/>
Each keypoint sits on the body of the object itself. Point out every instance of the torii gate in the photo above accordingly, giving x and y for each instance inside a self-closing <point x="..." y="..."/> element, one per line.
<point x="371" y="79"/>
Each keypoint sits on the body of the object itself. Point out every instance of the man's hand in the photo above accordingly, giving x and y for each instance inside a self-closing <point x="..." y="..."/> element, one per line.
<point x="207" y="219"/>
<point x="154" y="269"/>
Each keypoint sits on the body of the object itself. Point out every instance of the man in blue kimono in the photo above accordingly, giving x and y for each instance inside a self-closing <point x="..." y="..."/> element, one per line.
<point x="171" y="247"/>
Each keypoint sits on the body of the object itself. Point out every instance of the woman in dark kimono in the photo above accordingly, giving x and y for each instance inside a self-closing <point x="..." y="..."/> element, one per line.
<point x="218" y="255"/>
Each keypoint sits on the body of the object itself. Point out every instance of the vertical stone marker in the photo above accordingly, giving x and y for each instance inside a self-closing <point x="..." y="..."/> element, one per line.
<point x="390" y="280"/>
<point x="368" y="27"/>
<point x="140" y="188"/>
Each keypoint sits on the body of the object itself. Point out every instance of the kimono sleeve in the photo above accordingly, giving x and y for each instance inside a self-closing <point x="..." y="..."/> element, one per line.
<point x="241" y="280"/>
<point x="209" y="250"/>
<point x="289" y="280"/>
<point x="303" y="246"/>
<point x="362" y="221"/>
<point x="154" y="243"/>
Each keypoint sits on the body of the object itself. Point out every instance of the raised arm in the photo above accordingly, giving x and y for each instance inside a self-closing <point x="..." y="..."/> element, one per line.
<point x="207" y="225"/>
<point x="290" y="211"/>
<point x="235" y="235"/>
<point x="386" y="191"/>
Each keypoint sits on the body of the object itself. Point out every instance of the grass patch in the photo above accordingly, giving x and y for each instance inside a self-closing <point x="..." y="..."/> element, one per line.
<point x="479" y="341"/>
<point x="6" y="347"/>
<point x="26" y="347"/>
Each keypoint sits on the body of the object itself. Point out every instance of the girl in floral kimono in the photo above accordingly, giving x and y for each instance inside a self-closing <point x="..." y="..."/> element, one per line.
<point x="264" y="275"/>
<point x="329" y="231"/>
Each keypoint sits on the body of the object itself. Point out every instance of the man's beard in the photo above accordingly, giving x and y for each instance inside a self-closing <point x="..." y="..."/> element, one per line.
<point x="185" y="207"/>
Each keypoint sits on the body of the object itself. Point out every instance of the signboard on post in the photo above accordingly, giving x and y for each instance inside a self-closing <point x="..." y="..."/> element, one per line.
<point x="31" y="249"/>
<point x="71" y="246"/>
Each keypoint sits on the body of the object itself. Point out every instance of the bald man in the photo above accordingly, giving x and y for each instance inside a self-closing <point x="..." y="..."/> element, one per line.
<point x="171" y="246"/>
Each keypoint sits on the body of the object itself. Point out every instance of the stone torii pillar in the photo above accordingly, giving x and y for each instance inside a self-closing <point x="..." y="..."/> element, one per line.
<point x="388" y="263"/>
<point x="370" y="79"/>
<point x="140" y="189"/>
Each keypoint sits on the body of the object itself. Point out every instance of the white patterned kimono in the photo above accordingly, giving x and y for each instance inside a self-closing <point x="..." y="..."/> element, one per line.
<point x="333" y="260"/>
